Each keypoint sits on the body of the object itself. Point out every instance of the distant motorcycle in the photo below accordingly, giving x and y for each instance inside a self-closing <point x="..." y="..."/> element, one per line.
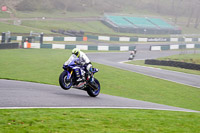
<point x="74" y="75"/>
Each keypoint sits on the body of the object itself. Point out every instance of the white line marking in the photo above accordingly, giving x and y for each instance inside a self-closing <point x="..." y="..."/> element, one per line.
<point x="122" y="62"/>
<point x="181" y="110"/>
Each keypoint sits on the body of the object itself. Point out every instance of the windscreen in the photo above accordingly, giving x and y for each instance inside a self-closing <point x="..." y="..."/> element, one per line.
<point x="71" y="58"/>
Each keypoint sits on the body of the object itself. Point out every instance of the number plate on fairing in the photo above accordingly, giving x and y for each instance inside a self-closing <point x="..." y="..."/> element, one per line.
<point x="77" y="72"/>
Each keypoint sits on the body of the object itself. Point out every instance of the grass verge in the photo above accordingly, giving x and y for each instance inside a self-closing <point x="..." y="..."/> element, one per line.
<point x="55" y="14"/>
<point x="19" y="29"/>
<point x="189" y="58"/>
<point x="97" y="120"/>
<point x="45" y="66"/>
<point x="94" y="26"/>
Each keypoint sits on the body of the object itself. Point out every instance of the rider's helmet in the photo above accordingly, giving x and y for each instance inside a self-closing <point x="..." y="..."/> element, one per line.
<point x="76" y="51"/>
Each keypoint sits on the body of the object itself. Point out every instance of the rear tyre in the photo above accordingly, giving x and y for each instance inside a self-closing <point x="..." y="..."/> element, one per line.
<point x="64" y="82"/>
<point x="92" y="90"/>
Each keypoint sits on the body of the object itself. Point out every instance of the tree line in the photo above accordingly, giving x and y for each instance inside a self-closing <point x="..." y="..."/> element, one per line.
<point x="174" y="8"/>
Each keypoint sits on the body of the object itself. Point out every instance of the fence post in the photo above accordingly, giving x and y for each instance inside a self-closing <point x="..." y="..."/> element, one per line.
<point x="41" y="38"/>
<point x="3" y="34"/>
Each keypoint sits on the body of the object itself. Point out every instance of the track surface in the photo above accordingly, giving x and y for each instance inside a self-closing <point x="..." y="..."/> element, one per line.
<point x="18" y="94"/>
<point x="25" y="94"/>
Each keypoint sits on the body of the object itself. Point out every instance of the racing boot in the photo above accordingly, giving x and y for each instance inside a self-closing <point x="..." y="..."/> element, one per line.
<point x="79" y="80"/>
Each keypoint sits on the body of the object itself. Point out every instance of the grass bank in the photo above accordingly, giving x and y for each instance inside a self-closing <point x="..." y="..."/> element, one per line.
<point x="97" y="120"/>
<point x="90" y="27"/>
<point x="189" y="58"/>
<point x="45" y="66"/>
<point x="19" y="29"/>
<point x="55" y="14"/>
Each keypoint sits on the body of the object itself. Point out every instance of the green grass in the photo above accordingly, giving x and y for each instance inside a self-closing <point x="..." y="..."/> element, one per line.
<point x="19" y="29"/>
<point x="45" y="66"/>
<point x="4" y="14"/>
<point x="89" y="26"/>
<point x="94" y="26"/>
<point x="59" y="14"/>
<point x="55" y="14"/>
<point x="97" y="121"/>
<point x="189" y="58"/>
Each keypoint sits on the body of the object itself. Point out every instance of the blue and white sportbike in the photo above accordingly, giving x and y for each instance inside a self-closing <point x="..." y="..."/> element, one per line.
<point x="75" y="75"/>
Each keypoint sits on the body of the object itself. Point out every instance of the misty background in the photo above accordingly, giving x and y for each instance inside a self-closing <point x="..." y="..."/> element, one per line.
<point x="174" y="10"/>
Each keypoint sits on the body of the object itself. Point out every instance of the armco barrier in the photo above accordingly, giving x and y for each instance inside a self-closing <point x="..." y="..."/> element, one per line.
<point x="173" y="63"/>
<point x="143" y="39"/>
<point x="82" y="47"/>
<point x="9" y="46"/>
<point x="113" y="38"/>
<point x="174" y="47"/>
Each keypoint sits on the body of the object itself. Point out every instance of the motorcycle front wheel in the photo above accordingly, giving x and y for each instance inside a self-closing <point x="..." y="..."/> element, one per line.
<point x="64" y="82"/>
<point x="92" y="90"/>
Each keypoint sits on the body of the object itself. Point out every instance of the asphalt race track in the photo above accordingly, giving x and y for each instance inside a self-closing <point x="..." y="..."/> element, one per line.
<point x="18" y="94"/>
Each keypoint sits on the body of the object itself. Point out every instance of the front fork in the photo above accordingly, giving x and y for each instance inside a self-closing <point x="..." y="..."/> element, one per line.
<point x="69" y="74"/>
<point x="90" y="77"/>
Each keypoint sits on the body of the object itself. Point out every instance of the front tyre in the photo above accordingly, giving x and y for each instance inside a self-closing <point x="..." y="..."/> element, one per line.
<point x="65" y="83"/>
<point x="92" y="90"/>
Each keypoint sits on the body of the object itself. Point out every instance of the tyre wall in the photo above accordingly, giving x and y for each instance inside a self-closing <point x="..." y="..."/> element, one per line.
<point x="173" y="64"/>
<point x="9" y="46"/>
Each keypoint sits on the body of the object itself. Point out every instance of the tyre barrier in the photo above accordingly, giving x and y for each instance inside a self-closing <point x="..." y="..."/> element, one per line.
<point x="9" y="45"/>
<point x="173" y="64"/>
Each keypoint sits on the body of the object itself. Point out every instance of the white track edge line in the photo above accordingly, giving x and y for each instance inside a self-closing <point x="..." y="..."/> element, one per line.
<point x="155" y="76"/>
<point x="180" y="110"/>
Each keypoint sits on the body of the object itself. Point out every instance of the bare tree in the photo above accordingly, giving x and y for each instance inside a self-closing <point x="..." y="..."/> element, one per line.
<point x="191" y="9"/>
<point x="177" y="9"/>
<point x="157" y="6"/>
<point x="173" y="5"/>
<point x="197" y="21"/>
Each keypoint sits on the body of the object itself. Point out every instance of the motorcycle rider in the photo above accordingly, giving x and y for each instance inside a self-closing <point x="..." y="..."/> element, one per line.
<point x="85" y="61"/>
